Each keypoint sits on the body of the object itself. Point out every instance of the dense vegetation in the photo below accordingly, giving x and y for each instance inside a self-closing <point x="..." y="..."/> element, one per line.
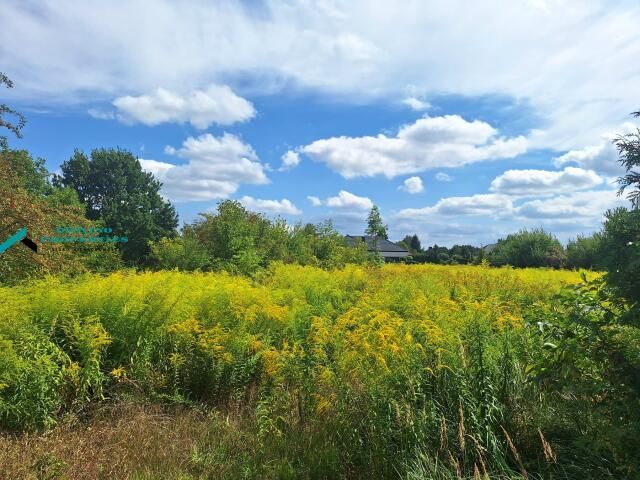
<point x="278" y="351"/>
<point x="345" y="373"/>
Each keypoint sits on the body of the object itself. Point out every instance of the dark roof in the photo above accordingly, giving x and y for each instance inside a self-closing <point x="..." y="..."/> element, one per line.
<point x="382" y="244"/>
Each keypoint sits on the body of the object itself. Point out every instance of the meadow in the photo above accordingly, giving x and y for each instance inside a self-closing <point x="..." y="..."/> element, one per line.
<point x="399" y="371"/>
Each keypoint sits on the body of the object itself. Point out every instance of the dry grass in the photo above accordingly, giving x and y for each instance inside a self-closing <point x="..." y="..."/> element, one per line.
<point x="122" y="441"/>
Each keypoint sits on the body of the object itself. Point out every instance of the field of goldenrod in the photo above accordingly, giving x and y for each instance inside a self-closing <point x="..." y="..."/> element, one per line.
<point x="359" y="372"/>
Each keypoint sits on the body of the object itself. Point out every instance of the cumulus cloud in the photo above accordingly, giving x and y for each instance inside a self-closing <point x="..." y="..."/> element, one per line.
<point x="217" y="104"/>
<point x="101" y="114"/>
<point x="544" y="182"/>
<point x="416" y="104"/>
<point x="315" y="201"/>
<point x="602" y="157"/>
<point x="70" y="51"/>
<point x="215" y="168"/>
<point x="430" y="142"/>
<point x="290" y="160"/>
<point x="574" y="207"/>
<point x="348" y="200"/>
<point x="481" y="204"/>
<point x="283" y="206"/>
<point x="412" y="185"/>
<point x="443" y="177"/>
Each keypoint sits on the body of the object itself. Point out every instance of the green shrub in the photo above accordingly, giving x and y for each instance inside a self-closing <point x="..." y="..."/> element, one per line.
<point x="528" y="248"/>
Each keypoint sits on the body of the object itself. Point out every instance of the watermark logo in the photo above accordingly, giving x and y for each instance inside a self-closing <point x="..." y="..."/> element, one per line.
<point x="78" y="234"/>
<point x="19" y="236"/>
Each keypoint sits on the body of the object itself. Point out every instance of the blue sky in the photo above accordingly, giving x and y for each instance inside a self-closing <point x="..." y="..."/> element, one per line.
<point x="461" y="122"/>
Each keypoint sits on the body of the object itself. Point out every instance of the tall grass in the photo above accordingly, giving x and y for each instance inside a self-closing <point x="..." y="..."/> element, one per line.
<point x="411" y="371"/>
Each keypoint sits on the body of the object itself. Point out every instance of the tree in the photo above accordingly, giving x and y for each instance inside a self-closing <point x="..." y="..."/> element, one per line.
<point x="591" y="337"/>
<point x="621" y="233"/>
<point x="629" y="149"/>
<point x="15" y="127"/>
<point x="375" y="226"/>
<point x="535" y="248"/>
<point x="584" y="252"/>
<point x="621" y="256"/>
<point x="116" y="190"/>
<point x="415" y="244"/>
<point x="238" y="240"/>
<point x="27" y="200"/>
<point x="184" y="253"/>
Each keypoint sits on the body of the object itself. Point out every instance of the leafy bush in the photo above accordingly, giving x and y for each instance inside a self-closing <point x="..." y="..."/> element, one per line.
<point x="184" y="253"/>
<point x="27" y="200"/>
<point x="585" y="252"/>
<point x="621" y="258"/>
<point x="535" y="248"/>
<point x="239" y="241"/>
<point x="590" y="362"/>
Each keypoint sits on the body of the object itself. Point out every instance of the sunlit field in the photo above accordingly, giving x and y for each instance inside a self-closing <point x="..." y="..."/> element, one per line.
<point x="400" y="371"/>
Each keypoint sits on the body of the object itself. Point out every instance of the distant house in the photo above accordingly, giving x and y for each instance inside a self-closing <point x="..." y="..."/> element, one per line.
<point x="386" y="249"/>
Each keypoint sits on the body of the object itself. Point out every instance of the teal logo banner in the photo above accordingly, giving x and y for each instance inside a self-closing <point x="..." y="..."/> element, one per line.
<point x="19" y="236"/>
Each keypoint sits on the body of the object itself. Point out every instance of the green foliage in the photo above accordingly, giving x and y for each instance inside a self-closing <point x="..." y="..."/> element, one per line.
<point x="32" y="174"/>
<point x="237" y="240"/>
<point x="456" y="255"/>
<point x="117" y="191"/>
<point x="375" y="225"/>
<point x="411" y="243"/>
<point x="15" y="126"/>
<point x="185" y="253"/>
<point x="528" y="248"/>
<point x="621" y="257"/>
<point x="629" y="149"/>
<point x="349" y="373"/>
<point x="585" y="252"/>
<point x="590" y="360"/>
<point x="27" y="199"/>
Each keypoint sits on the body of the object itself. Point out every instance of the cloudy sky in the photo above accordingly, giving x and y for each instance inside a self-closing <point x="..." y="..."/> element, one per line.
<point x="461" y="120"/>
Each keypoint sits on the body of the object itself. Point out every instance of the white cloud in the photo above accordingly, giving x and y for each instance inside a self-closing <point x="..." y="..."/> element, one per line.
<point x="416" y="104"/>
<point x="201" y="108"/>
<point x="348" y="200"/>
<point x="69" y="51"/>
<point x="544" y="182"/>
<point x="602" y="157"/>
<point x="283" y="206"/>
<point x="443" y="177"/>
<point x="101" y="114"/>
<point x="483" y="218"/>
<point x="481" y="204"/>
<point x="412" y="185"/>
<point x="315" y="201"/>
<point x="215" y="168"/>
<point x="575" y="207"/>
<point x="430" y="142"/>
<point x="290" y="160"/>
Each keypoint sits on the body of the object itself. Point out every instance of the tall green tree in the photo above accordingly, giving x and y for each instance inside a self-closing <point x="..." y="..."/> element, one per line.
<point x="411" y="243"/>
<point x="375" y="225"/>
<point x="115" y="189"/>
<point x="629" y="150"/>
<point x="415" y="244"/>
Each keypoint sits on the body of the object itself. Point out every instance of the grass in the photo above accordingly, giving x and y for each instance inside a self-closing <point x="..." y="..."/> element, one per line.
<point x="402" y="371"/>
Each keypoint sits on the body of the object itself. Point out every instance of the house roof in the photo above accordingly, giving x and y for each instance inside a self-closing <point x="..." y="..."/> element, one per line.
<point x="379" y="244"/>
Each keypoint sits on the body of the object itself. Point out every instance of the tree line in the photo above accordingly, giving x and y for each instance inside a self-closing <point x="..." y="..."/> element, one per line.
<point x="526" y="248"/>
<point x="108" y="187"/>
